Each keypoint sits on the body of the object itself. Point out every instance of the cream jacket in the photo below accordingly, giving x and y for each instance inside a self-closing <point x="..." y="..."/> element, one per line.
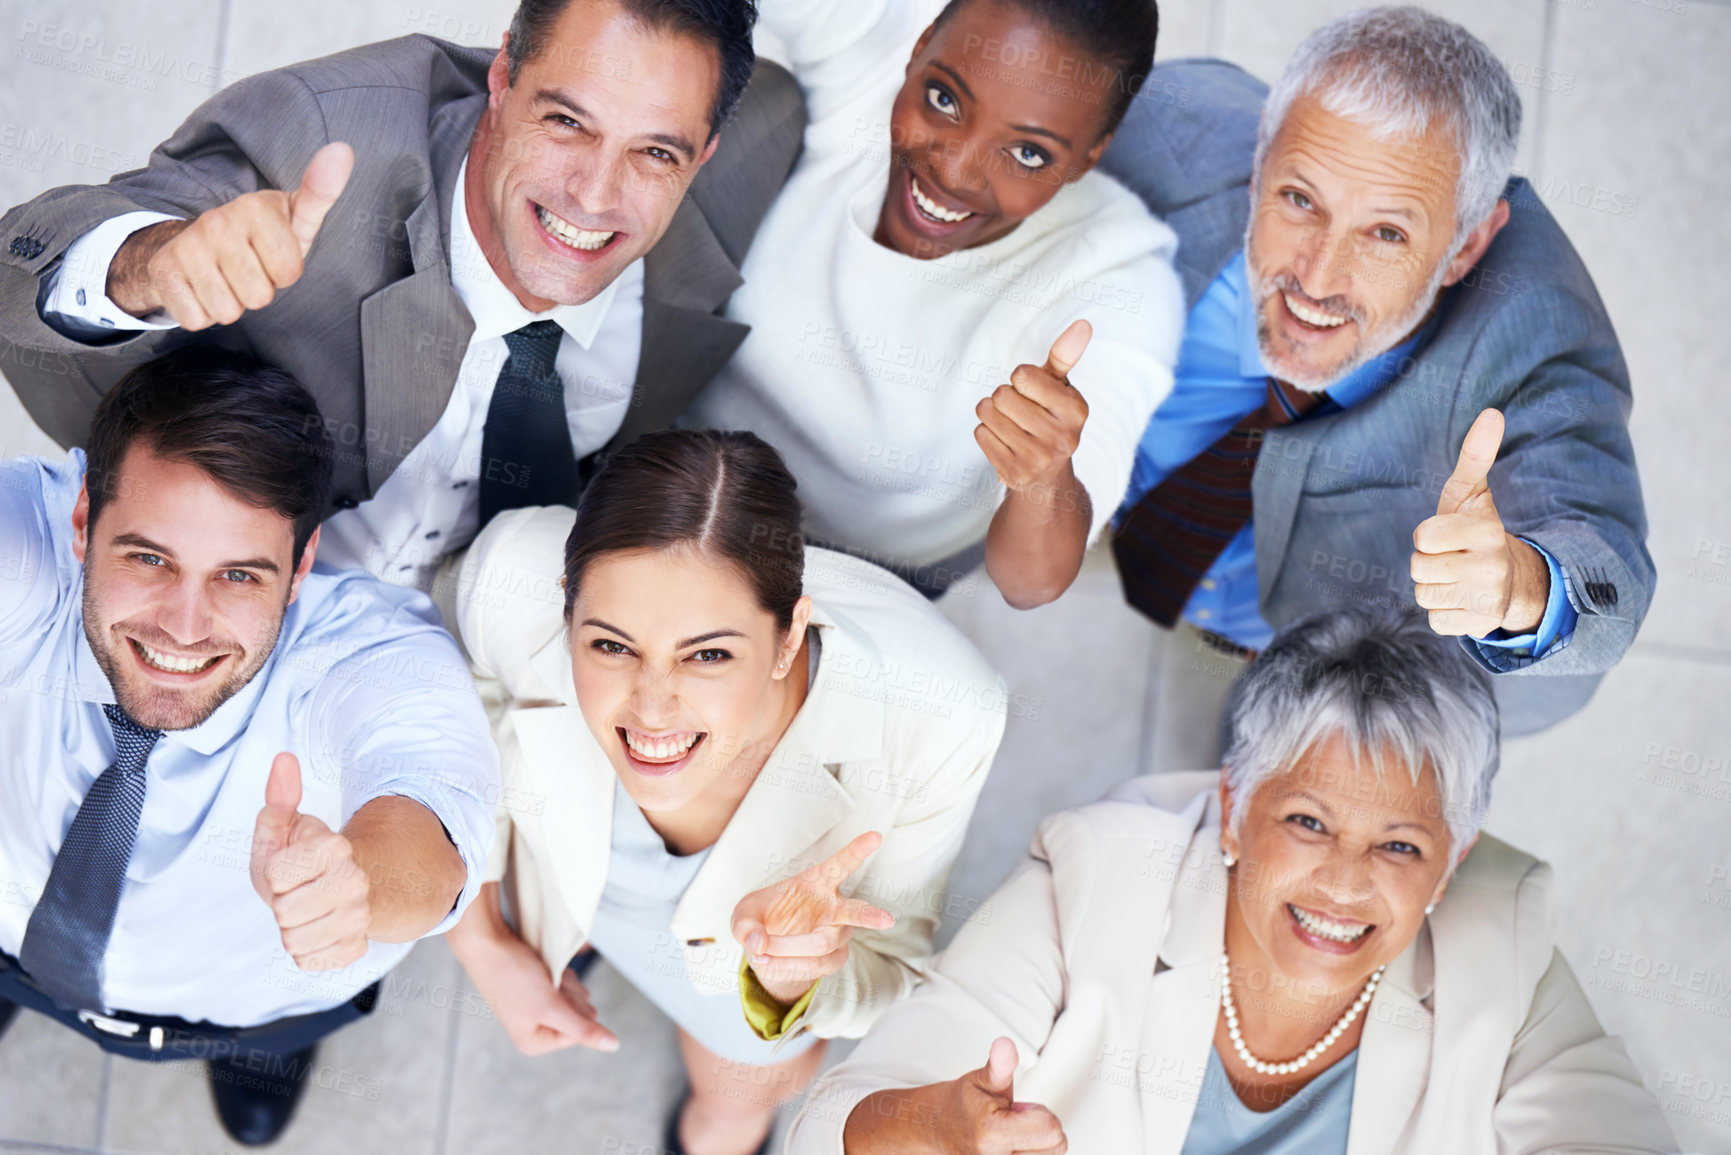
<point x="896" y="735"/>
<point x="1100" y="958"/>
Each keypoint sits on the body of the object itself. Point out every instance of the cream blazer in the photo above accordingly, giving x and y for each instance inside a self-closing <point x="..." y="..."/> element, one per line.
<point x="896" y="735"/>
<point x="1101" y="960"/>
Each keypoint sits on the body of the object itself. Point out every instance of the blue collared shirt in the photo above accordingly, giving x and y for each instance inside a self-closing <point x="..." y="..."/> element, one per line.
<point x="1220" y="377"/>
<point x="363" y="686"/>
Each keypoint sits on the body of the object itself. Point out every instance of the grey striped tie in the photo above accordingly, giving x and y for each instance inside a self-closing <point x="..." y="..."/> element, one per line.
<point x="69" y="929"/>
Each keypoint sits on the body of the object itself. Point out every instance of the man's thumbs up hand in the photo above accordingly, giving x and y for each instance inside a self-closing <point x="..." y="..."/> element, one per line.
<point x="307" y="874"/>
<point x="1467" y="570"/>
<point x="231" y="259"/>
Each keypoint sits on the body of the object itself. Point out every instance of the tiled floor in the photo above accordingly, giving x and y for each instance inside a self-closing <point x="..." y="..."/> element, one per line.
<point x="1628" y="104"/>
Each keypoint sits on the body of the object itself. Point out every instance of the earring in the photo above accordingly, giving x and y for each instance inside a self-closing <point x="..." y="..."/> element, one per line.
<point x="1429" y="906"/>
<point x="1228" y="859"/>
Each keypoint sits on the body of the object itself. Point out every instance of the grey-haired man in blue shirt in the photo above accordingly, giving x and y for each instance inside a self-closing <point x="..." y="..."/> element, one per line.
<point x="1397" y="382"/>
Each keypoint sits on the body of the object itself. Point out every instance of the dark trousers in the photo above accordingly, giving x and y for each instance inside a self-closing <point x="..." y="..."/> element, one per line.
<point x="159" y="1039"/>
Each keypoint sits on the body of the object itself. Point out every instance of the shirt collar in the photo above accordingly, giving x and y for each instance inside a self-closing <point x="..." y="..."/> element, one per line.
<point x="494" y="307"/>
<point x="1374" y="374"/>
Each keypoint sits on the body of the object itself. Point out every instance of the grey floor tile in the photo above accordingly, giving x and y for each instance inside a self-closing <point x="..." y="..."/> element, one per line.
<point x="1076" y="671"/>
<point x="51" y="1083"/>
<point x="1635" y="167"/>
<point x="93" y="85"/>
<point x="377" y="1085"/>
<point x="1184" y="27"/>
<point x="262" y="36"/>
<point x="573" y="1100"/>
<point x="1630" y="801"/>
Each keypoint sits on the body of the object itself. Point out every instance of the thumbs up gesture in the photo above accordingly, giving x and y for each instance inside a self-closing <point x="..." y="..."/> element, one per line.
<point x="306" y="873"/>
<point x="233" y="258"/>
<point x="985" y="1117"/>
<point x="797" y="930"/>
<point x="1468" y="571"/>
<point x="1030" y="428"/>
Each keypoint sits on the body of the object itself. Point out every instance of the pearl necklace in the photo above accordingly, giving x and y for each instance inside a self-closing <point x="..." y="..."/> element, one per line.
<point x="1316" y="1049"/>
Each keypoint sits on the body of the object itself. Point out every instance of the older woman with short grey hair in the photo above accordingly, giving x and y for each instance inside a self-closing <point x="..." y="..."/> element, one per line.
<point x="1314" y="950"/>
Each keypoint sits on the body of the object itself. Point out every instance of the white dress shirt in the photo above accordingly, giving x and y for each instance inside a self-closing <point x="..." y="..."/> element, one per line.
<point x="363" y="686"/>
<point x="430" y="505"/>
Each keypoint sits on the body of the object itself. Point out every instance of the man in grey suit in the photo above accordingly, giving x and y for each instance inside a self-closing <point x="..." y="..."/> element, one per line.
<point x="1385" y="331"/>
<point x="489" y="267"/>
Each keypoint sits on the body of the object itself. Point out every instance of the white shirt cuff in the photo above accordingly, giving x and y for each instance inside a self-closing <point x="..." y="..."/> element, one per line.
<point x="75" y="293"/>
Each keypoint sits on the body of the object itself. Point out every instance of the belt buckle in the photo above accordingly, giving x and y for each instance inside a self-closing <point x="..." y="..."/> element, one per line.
<point x="109" y="1026"/>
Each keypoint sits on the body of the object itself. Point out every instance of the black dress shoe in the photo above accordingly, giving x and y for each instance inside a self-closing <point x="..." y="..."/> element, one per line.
<point x="256" y="1095"/>
<point x="670" y="1144"/>
<point x="584" y="962"/>
<point x="8" y="1012"/>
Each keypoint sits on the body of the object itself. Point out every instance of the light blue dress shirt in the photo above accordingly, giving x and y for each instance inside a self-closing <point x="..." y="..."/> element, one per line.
<point x="1220" y="377"/>
<point x="1313" y="1122"/>
<point x="363" y="686"/>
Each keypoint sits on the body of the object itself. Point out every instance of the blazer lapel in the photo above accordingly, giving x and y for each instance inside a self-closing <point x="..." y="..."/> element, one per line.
<point x="570" y="789"/>
<point x="687" y="278"/>
<point x="1183" y="1005"/>
<point x="1184" y="998"/>
<point x="1394" y="1055"/>
<point x="415" y="331"/>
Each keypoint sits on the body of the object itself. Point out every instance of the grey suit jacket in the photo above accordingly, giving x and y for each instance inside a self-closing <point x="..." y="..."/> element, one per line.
<point x="374" y="328"/>
<point x="1337" y="497"/>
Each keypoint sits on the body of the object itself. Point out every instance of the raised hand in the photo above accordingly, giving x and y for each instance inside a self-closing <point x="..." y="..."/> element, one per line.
<point x="1468" y="571"/>
<point x="797" y="930"/>
<point x="306" y="873"/>
<point x="1029" y="429"/>
<point x="233" y="258"/>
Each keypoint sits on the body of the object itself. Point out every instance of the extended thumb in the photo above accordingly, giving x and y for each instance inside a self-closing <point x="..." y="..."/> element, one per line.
<point x="998" y="1075"/>
<point x="1068" y="348"/>
<point x="282" y="790"/>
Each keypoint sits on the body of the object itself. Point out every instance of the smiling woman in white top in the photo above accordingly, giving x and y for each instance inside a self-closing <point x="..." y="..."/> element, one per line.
<point x="737" y="768"/>
<point x="908" y="289"/>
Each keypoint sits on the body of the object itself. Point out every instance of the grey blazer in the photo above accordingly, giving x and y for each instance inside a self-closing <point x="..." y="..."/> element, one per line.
<point x="1337" y="497"/>
<point x="374" y="327"/>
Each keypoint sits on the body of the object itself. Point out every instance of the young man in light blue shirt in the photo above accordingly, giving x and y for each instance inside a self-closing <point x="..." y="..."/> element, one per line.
<point x="233" y="790"/>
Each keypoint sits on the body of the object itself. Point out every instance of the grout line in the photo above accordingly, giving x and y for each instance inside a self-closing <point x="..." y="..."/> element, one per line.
<point x="1217" y="28"/>
<point x="1542" y="106"/>
<point x="442" y="1134"/>
<point x="222" y="20"/>
<point x="101" y="1143"/>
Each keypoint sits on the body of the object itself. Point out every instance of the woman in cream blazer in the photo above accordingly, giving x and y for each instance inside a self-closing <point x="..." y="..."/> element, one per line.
<point x="793" y="771"/>
<point x="1090" y="1013"/>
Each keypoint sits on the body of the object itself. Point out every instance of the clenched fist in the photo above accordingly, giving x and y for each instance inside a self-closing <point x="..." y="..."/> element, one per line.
<point x="1468" y="571"/>
<point x="233" y="258"/>
<point x="307" y="874"/>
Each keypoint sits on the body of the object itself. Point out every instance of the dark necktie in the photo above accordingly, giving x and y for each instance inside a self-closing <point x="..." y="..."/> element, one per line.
<point x="526" y="455"/>
<point x="68" y="931"/>
<point x="1178" y="529"/>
